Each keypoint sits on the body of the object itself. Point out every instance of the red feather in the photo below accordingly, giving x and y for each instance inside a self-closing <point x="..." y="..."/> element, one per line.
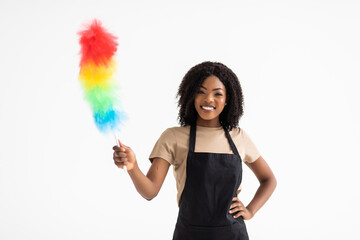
<point x="97" y="45"/>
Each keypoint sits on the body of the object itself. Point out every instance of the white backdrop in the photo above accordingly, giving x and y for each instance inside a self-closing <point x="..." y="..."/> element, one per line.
<point x="298" y="63"/>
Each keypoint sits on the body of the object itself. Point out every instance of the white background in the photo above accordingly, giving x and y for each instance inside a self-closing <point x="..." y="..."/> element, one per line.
<point x="297" y="61"/>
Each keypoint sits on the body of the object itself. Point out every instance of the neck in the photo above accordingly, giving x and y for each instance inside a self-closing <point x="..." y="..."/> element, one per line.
<point x="208" y="123"/>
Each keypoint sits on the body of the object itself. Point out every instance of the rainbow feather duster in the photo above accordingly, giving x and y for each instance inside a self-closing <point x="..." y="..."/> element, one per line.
<point x="97" y="69"/>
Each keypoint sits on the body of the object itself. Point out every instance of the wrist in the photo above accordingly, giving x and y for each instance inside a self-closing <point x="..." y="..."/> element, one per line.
<point x="130" y="166"/>
<point x="251" y="211"/>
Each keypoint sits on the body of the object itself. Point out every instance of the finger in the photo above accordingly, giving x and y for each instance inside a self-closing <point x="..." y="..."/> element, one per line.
<point x="235" y="199"/>
<point x="119" y="149"/>
<point x="241" y="213"/>
<point x="120" y="154"/>
<point x="120" y="160"/>
<point x="116" y="148"/>
<point x="237" y="209"/>
<point x="236" y="204"/>
<point x="122" y="145"/>
<point x="239" y="206"/>
<point x="120" y="165"/>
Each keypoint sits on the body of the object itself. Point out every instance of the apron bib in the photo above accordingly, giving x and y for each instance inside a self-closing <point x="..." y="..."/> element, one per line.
<point x="212" y="180"/>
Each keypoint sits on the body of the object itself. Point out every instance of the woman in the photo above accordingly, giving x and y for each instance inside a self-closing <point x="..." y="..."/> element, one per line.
<point x="207" y="152"/>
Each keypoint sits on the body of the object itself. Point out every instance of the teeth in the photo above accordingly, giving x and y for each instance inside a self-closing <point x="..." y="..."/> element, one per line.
<point x="207" y="108"/>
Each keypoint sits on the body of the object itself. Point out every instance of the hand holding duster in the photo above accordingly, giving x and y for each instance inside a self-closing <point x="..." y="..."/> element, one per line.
<point x="97" y="69"/>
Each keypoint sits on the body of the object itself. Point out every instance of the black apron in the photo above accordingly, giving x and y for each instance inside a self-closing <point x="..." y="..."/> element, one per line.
<point x="212" y="180"/>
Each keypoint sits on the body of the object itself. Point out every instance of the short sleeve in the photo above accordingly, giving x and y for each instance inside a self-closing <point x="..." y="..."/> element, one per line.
<point x="165" y="147"/>
<point x="251" y="151"/>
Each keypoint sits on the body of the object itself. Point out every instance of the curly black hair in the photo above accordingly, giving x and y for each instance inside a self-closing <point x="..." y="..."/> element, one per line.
<point x="230" y="116"/>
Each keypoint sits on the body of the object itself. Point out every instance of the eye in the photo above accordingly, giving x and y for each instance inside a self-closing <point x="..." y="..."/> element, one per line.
<point x="218" y="94"/>
<point x="200" y="92"/>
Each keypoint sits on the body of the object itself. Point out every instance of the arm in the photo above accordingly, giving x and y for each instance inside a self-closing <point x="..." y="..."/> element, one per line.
<point x="148" y="186"/>
<point x="267" y="186"/>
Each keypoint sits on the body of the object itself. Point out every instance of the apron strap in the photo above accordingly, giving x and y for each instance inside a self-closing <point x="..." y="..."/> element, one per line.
<point x="192" y="138"/>
<point x="232" y="144"/>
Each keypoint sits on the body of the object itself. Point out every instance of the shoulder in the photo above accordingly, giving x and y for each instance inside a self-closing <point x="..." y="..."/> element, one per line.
<point x="177" y="131"/>
<point x="245" y="145"/>
<point x="169" y="142"/>
<point x="172" y="133"/>
<point x="238" y="133"/>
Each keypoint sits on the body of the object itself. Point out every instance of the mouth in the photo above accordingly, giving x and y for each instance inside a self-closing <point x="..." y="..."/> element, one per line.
<point x="207" y="108"/>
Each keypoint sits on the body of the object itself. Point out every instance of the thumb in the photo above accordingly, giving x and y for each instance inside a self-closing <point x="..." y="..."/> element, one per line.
<point x="122" y="145"/>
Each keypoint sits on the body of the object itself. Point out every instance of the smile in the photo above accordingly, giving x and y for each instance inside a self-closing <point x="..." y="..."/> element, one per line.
<point x="208" y="108"/>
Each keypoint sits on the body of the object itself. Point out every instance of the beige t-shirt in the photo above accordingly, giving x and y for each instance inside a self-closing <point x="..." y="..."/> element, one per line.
<point x="173" y="146"/>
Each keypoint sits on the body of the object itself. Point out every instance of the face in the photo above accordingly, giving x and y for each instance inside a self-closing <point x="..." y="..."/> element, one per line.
<point x="210" y="101"/>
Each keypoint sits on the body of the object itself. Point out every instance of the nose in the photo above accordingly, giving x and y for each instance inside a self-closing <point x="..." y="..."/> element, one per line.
<point x="208" y="99"/>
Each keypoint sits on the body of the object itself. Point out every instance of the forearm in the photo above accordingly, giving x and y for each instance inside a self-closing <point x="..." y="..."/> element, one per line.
<point x="263" y="193"/>
<point x="142" y="183"/>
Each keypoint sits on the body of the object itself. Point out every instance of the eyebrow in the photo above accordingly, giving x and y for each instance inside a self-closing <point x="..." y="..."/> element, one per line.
<point x="215" y="89"/>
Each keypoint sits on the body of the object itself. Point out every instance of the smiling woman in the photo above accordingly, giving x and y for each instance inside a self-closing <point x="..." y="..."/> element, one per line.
<point x="223" y="81"/>
<point x="207" y="152"/>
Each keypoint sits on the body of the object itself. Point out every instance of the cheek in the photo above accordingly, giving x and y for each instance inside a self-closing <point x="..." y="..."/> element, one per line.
<point x="222" y="102"/>
<point x="197" y="102"/>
